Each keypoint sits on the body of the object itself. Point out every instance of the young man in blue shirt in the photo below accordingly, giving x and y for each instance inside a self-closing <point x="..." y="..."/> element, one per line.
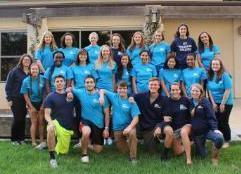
<point x="59" y="115"/>
<point x="124" y="119"/>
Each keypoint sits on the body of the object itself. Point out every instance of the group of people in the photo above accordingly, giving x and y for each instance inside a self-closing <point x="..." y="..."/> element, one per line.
<point x="156" y="93"/>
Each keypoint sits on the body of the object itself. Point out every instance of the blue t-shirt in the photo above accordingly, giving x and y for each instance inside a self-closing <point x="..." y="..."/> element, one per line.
<point x="79" y="72"/>
<point x="191" y="76"/>
<point x="70" y="55"/>
<point x="218" y="88"/>
<point x="45" y="56"/>
<point x="142" y="73"/>
<point x="126" y="76"/>
<point x="208" y="55"/>
<point x="122" y="111"/>
<point x="159" y="53"/>
<point x="135" y="55"/>
<point x="34" y="87"/>
<point x="62" y="70"/>
<point x="105" y="75"/>
<point x="91" y="110"/>
<point x="93" y="52"/>
<point x="182" y="47"/>
<point x="169" y="76"/>
<point x="61" y="109"/>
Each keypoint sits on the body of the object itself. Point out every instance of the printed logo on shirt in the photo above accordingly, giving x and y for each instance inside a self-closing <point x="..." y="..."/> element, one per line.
<point x="175" y="75"/>
<point x="148" y="69"/>
<point x="62" y="72"/>
<point x="86" y="72"/>
<point x="157" y="106"/>
<point x="195" y="74"/>
<point x="200" y="107"/>
<point x="183" y="107"/>
<point x="162" y="49"/>
<point x="95" y="101"/>
<point x="125" y="106"/>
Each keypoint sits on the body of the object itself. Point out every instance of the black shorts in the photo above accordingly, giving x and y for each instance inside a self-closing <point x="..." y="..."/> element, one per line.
<point x="37" y="105"/>
<point x="96" y="134"/>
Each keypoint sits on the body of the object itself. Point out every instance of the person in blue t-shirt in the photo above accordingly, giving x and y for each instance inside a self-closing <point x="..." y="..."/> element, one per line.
<point x="94" y="118"/>
<point x="206" y="50"/>
<point x="159" y="50"/>
<point x="182" y="45"/>
<point x="204" y="124"/>
<point x="220" y="91"/>
<point x="136" y="46"/>
<point x="191" y="75"/>
<point x="117" y="47"/>
<point x="124" y="119"/>
<point x="124" y="71"/>
<point x="93" y="49"/>
<point x="57" y="69"/>
<point x="142" y="73"/>
<point x="70" y="52"/>
<point x="45" y="50"/>
<point x="105" y="68"/>
<point x="58" y="110"/>
<point x="33" y="90"/>
<point x="169" y="74"/>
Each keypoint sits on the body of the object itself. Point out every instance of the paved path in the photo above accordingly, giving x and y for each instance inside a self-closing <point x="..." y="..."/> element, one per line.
<point x="235" y="120"/>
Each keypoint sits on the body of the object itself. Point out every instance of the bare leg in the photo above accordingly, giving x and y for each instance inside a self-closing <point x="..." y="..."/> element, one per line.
<point x="85" y="139"/>
<point x="185" y="132"/>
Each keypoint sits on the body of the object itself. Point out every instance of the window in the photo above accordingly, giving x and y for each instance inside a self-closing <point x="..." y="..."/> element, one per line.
<point x="13" y="45"/>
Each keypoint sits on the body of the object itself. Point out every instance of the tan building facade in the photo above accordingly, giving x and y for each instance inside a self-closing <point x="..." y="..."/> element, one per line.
<point x="221" y="20"/>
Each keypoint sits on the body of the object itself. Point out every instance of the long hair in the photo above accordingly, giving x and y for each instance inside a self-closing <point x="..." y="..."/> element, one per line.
<point x="171" y="56"/>
<point x="63" y="45"/>
<point x="81" y="52"/>
<point x="99" y="61"/>
<point x="197" y="85"/>
<point x="121" y="68"/>
<point x="158" y="31"/>
<point x="220" y="71"/>
<point x="201" y="44"/>
<point x="133" y="44"/>
<point x="178" y="33"/>
<point x="42" y="44"/>
<point x="20" y="62"/>
<point x="121" y="46"/>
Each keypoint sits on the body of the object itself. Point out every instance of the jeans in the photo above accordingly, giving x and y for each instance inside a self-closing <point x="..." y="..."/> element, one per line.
<point x="200" y="142"/>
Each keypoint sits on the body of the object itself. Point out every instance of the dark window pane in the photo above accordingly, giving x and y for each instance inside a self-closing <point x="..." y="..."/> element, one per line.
<point x="104" y="37"/>
<point x="7" y="65"/>
<point x="59" y="34"/>
<point x="14" y="43"/>
<point x="126" y="34"/>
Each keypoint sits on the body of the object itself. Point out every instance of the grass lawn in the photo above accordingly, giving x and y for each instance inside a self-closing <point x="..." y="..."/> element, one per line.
<point x="25" y="160"/>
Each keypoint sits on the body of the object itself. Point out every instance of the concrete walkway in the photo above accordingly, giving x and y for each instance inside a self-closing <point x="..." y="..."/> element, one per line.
<point x="235" y="120"/>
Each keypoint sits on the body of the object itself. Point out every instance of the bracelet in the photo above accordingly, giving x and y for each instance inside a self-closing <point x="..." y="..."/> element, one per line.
<point x="106" y="127"/>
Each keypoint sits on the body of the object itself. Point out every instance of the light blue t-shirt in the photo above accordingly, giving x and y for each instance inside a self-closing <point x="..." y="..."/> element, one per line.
<point x="123" y="111"/>
<point x="169" y="76"/>
<point x="192" y="75"/>
<point x="91" y="110"/>
<point x="34" y="87"/>
<point x="45" y="56"/>
<point x="142" y="73"/>
<point x="126" y="76"/>
<point x="105" y="75"/>
<point x="159" y="53"/>
<point x="79" y="72"/>
<point x="93" y="52"/>
<point x="218" y="88"/>
<point x="62" y="70"/>
<point x="70" y="55"/>
<point x="134" y="55"/>
<point x="207" y="55"/>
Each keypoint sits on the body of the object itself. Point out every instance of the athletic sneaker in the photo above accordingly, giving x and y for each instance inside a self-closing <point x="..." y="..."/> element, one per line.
<point x="85" y="159"/>
<point x="41" y="146"/>
<point x="109" y="141"/>
<point x="225" y="145"/>
<point x="15" y="143"/>
<point x="53" y="163"/>
<point x="77" y="146"/>
<point x="133" y="161"/>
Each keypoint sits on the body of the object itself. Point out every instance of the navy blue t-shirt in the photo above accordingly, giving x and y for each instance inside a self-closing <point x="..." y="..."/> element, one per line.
<point x="182" y="47"/>
<point x="179" y="110"/>
<point x="151" y="113"/>
<point x="61" y="109"/>
<point x="204" y="118"/>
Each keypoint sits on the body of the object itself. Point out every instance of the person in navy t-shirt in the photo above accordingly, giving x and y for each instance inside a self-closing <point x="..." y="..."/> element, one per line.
<point x="117" y="47"/>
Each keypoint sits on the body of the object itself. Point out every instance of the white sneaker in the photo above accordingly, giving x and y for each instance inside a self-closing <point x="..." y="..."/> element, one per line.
<point x="225" y="145"/>
<point x="53" y="163"/>
<point x="77" y="146"/>
<point x="85" y="159"/>
<point x="41" y="146"/>
<point x="109" y="141"/>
